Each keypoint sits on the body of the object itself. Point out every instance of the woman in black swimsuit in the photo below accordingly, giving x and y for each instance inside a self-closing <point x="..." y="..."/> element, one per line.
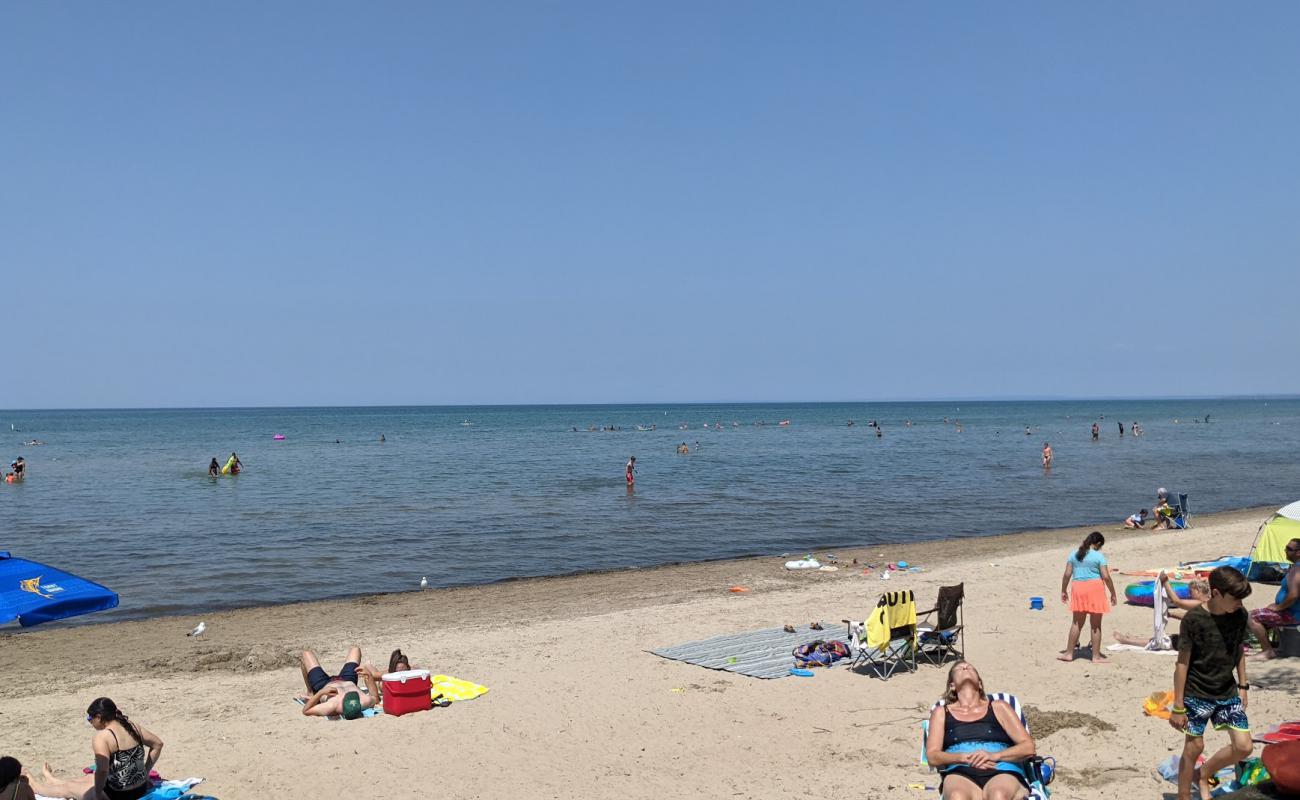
<point x="122" y="765"/>
<point x="978" y="744"/>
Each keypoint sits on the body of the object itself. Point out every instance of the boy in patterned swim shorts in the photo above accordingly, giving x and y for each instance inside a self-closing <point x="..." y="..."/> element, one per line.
<point x="1210" y="648"/>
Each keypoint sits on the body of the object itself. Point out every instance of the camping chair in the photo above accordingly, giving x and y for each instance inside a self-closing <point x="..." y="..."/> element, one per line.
<point x="1184" y="518"/>
<point x="899" y="649"/>
<point x="945" y="635"/>
<point x="1037" y="791"/>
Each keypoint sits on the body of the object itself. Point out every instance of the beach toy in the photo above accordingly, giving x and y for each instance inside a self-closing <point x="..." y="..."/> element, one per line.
<point x="902" y="565"/>
<point x="1035" y="604"/>
<point x="279" y="437"/>
<point x="1140" y="594"/>
<point x="802" y="673"/>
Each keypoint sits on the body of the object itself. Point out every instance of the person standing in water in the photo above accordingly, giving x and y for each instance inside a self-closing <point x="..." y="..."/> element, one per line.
<point x="1121" y="428"/>
<point x="631" y="471"/>
<point x="233" y="465"/>
<point x="1047" y="455"/>
<point x="214" y="469"/>
<point x="1096" y="431"/>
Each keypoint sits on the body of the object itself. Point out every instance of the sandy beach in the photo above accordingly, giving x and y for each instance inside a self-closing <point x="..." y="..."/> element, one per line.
<point x="578" y="708"/>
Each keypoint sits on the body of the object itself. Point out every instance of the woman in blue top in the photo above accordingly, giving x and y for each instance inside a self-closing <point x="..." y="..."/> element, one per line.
<point x="1084" y="586"/>
<point x="978" y="744"/>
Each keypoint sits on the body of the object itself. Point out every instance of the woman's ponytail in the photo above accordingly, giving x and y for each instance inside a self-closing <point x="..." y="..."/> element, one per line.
<point x="1094" y="538"/>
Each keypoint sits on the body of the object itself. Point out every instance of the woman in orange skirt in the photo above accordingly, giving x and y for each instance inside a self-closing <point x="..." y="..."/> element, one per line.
<point x="1084" y="586"/>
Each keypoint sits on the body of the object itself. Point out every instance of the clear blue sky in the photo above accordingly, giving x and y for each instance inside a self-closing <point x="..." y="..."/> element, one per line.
<point x="355" y="203"/>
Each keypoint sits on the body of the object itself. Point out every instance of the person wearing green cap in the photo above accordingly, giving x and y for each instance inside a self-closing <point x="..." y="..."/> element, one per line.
<point x="338" y="695"/>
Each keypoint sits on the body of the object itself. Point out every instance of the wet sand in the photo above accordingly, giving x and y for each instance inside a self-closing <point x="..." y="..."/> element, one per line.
<point x="577" y="708"/>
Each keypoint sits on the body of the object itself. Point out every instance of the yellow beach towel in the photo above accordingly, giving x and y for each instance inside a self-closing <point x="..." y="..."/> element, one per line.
<point x="895" y="610"/>
<point x="454" y="688"/>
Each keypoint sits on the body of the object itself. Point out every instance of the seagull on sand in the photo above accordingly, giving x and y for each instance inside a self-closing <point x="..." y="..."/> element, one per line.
<point x="198" y="629"/>
<point x="424" y="583"/>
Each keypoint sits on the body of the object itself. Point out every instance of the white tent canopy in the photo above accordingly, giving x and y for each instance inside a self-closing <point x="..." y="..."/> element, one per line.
<point x="1290" y="511"/>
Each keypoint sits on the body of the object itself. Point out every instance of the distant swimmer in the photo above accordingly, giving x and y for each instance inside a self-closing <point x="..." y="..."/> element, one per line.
<point x="382" y="439"/>
<point x="631" y="470"/>
<point x="233" y="465"/>
<point x="1096" y="431"/>
<point x="879" y="432"/>
<point x="1047" y="455"/>
<point x="19" y="467"/>
<point x="34" y="443"/>
<point x="683" y="449"/>
<point x="1121" y="428"/>
<point x="214" y="469"/>
<point x="1027" y="433"/>
<point x="850" y="423"/>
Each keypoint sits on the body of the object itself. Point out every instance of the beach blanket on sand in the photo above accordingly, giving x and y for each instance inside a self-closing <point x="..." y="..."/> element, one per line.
<point x="455" y="689"/>
<point x="758" y="654"/>
<point x="166" y="790"/>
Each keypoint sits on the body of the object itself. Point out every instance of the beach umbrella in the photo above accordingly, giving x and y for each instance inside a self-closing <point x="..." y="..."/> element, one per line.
<point x="32" y="593"/>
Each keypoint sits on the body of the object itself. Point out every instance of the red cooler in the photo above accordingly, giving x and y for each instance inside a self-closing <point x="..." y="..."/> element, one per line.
<point x="406" y="691"/>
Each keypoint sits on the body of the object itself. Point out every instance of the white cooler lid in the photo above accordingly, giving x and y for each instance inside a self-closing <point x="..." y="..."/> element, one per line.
<point x="406" y="675"/>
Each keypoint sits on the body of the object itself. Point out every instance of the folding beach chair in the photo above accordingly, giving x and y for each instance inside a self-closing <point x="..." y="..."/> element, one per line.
<point x="900" y="649"/>
<point x="1184" y="518"/>
<point x="940" y="631"/>
<point x="1037" y="790"/>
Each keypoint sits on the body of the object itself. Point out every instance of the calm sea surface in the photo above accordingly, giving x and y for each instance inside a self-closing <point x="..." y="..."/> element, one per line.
<point x="123" y="497"/>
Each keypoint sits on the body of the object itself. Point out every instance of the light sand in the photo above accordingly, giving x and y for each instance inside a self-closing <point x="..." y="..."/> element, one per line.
<point x="577" y="708"/>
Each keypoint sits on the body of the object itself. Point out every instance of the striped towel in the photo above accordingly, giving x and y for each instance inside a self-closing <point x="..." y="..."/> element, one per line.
<point x="454" y="688"/>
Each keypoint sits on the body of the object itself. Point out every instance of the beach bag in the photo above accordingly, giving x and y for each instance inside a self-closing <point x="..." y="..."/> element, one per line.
<point x="819" y="653"/>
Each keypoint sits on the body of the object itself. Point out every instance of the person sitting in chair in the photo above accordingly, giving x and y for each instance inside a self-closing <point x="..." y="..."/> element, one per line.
<point x="979" y="745"/>
<point x="1283" y="611"/>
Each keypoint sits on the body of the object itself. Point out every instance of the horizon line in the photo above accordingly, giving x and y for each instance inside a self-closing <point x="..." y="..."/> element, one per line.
<point x="977" y="399"/>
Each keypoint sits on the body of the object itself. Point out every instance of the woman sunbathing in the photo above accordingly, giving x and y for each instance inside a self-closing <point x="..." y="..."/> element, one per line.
<point x="978" y="744"/>
<point x="1200" y="590"/>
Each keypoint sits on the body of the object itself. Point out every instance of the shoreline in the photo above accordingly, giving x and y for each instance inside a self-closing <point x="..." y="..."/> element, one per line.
<point x="912" y="551"/>
<point x="577" y="706"/>
<point x="638" y="586"/>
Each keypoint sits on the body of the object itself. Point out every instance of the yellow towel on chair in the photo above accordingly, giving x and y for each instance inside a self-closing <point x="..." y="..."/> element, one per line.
<point x="895" y="610"/>
<point x="454" y="688"/>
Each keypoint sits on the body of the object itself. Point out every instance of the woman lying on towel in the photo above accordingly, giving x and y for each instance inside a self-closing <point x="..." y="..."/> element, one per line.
<point x="978" y="744"/>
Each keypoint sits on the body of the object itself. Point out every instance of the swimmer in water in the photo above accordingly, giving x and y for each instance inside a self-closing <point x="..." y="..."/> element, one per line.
<point x="382" y="439"/>
<point x="214" y="469"/>
<point x="1047" y="455"/>
<point x="233" y="465"/>
<point x="631" y="470"/>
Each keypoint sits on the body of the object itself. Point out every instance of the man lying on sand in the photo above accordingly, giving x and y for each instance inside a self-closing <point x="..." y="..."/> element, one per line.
<point x="337" y="695"/>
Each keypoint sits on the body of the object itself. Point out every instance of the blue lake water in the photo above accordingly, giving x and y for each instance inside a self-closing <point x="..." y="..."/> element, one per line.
<point x="123" y="497"/>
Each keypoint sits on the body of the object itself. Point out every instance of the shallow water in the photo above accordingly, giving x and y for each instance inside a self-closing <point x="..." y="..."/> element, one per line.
<point x="123" y="497"/>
